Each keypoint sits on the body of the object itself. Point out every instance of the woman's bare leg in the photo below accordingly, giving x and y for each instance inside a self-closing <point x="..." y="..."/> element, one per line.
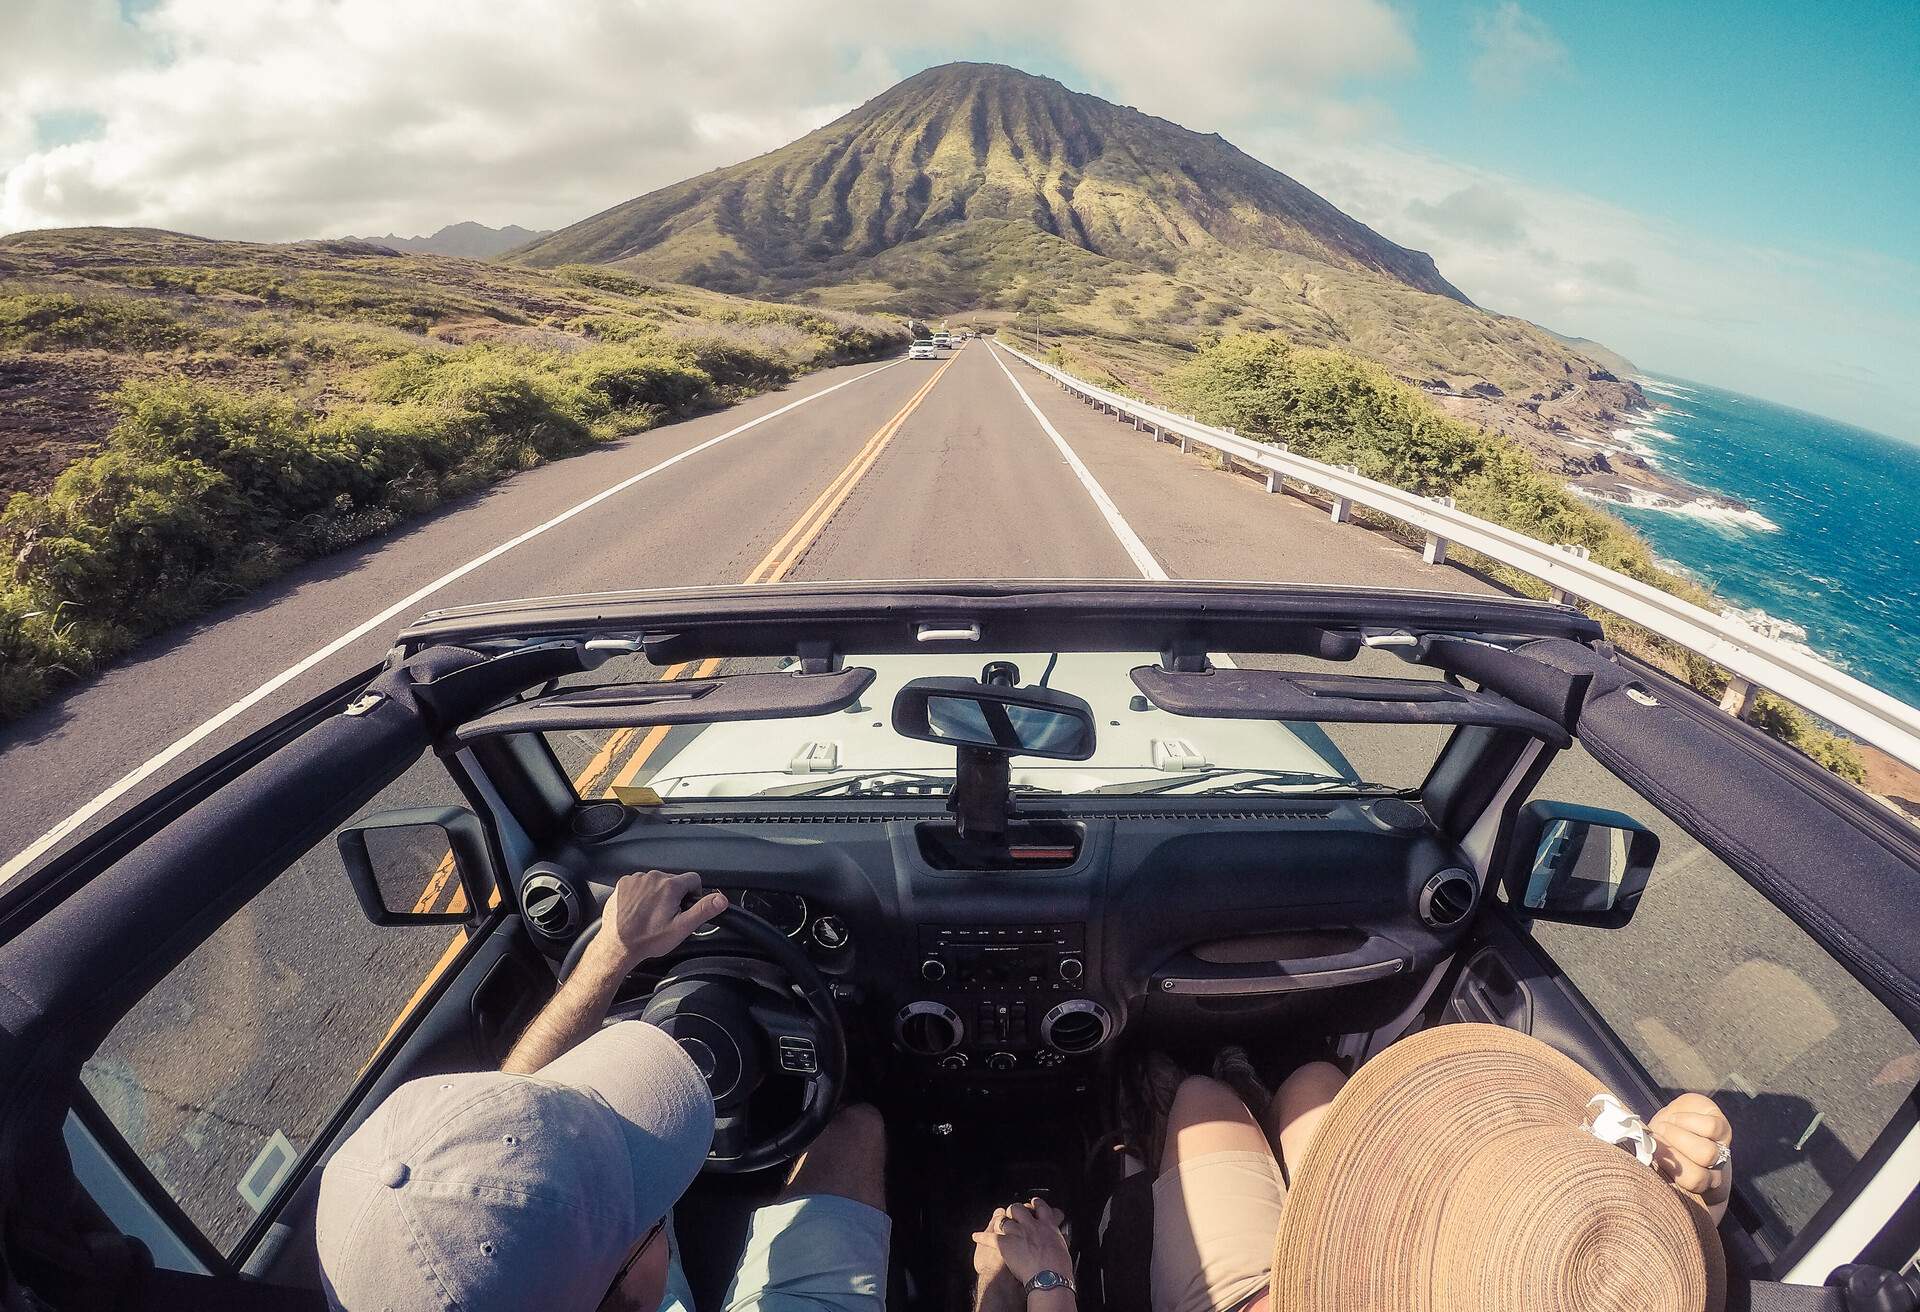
<point x="1298" y="1107"/>
<point x="1208" y="1117"/>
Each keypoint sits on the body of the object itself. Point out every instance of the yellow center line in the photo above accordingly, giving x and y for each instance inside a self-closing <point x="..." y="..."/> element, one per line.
<point x="435" y="883"/>
<point x="786" y="553"/>
<point x="774" y="566"/>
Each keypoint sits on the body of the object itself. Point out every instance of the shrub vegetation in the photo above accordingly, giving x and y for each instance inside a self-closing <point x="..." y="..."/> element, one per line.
<point x="282" y="403"/>
<point x="1335" y="408"/>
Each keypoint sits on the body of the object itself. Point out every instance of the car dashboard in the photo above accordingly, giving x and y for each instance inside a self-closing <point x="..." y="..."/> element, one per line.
<point x="1184" y="919"/>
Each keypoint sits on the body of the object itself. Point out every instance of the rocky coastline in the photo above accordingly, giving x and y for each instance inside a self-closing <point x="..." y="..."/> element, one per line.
<point x="1588" y="433"/>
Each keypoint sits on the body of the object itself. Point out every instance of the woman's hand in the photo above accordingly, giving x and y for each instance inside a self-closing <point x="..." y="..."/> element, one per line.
<point x="1690" y="1135"/>
<point x="1027" y="1239"/>
<point x="643" y="919"/>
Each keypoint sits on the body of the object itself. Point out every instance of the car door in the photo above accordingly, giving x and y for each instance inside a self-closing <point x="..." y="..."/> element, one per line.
<point x="205" y="1108"/>
<point x="1728" y="979"/>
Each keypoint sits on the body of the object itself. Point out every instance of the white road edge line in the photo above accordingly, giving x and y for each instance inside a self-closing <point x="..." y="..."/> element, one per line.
<point x="1142" y="558"/>
<point x="35" y="850"/>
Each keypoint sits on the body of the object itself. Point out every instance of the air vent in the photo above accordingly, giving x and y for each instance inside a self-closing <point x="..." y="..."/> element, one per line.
<point x="550" y="904"/>
<point x="1076" y="1027"/>
<point x="928" y="1028"/>
<point x="1448" y="898"/>
<point x="821" y="817"/>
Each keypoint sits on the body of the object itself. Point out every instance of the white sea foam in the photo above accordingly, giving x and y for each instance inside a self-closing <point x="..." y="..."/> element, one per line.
<point x="1706" y="509"/>
<point x="1660" y="388"/>
<point x="1784" y="632"/>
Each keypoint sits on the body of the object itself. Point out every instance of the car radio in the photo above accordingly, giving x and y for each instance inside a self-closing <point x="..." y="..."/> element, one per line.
<point x="1002" y="997"/>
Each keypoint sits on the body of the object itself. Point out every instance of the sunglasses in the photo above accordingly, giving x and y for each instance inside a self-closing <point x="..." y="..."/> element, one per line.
<point x="639" y="1250"/>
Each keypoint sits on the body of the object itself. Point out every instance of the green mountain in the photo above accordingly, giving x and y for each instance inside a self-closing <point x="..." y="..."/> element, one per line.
<point x="966" y="142"/>
<point x="981" y="189"/>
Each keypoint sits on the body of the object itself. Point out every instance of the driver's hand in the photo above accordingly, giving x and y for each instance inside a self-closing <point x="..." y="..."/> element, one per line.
<point x="643" y="919"/>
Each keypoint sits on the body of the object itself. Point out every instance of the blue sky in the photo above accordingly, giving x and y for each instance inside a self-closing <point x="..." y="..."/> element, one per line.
<point x="1723" y="192"/>
<point x="1784" y="124"/>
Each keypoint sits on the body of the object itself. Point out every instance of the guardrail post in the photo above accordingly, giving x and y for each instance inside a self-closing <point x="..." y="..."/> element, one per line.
<point x="1343" y="506"/>
<point x="1737" y="700"/>
<point x="1276" y="481"/>
<point x="1186" y="444"/>
<point x="1561" y="597"/>
<point x="1436" y="550"/>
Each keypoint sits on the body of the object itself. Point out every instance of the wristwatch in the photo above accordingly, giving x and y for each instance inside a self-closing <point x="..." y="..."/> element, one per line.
<point x="1049" y="1280"/>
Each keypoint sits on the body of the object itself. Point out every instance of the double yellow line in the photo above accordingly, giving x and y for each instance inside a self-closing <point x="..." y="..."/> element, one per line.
<point x="774" y="566"/>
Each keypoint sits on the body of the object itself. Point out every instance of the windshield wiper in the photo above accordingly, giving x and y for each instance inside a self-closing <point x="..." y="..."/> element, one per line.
<point x="1295" y="780"/>
<point x="882" y="783"/>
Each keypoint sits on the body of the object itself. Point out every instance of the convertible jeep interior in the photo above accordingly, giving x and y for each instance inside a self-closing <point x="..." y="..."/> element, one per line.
<point x="987" y="847"/>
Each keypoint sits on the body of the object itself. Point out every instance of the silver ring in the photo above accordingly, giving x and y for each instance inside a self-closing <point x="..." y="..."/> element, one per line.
<point x="1722" y="1158"/>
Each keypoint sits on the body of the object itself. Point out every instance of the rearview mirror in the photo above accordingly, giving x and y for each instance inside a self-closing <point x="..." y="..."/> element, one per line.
<point x="421" y="866"/>
<point x="1579" y="864"/>
<point x="1014" y="721"/>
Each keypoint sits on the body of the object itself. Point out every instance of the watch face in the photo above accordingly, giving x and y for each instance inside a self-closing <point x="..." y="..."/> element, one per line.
<point x="1046" y="1280"/>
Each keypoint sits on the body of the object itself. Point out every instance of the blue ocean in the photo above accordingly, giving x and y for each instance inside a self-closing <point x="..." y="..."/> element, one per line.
<point x="1829" y="555"/>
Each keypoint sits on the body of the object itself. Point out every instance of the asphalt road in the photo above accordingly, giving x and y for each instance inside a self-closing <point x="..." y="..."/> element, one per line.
<point x="912" y="469"/>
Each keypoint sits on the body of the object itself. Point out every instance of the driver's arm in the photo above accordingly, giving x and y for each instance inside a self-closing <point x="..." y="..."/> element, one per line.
<point x="642" y="920"/>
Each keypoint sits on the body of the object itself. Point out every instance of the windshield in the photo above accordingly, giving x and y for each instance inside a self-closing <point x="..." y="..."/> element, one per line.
<point x="1140" y="750"/>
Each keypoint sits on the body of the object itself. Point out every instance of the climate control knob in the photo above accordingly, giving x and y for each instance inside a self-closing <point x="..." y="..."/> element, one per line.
<point x="1072" y="968"/>
<point x="933" y="969"/>
<point x="1001" y="1061"/>
<point x="954" y="1061"/>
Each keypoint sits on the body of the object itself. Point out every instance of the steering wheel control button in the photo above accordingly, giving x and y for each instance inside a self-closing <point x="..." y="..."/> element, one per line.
<point x="830" y="932"/>
<point x="797" y="1055"/>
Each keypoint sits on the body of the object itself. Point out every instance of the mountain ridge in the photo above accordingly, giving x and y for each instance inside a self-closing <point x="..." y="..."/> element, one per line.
<point x="466" y="239"/>
<point x="978" y="188"/>
<point x="962" y="142"/>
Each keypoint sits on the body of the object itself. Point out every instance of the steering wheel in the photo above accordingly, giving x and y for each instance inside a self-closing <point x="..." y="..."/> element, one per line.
<point x="742" y="1020"/>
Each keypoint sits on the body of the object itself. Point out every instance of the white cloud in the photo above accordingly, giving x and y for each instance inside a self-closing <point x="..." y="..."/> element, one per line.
<point x="1826" y="330"/>
<point x="1513" y="50"/>
<point x="308" y="117"/>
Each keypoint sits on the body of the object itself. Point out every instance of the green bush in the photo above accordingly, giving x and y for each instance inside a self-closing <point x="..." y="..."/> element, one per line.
<point x="61" y="321"/>
<point x="1332" y="407"/>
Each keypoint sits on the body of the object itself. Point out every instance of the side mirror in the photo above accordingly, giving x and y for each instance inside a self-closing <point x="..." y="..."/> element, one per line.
<point x="1579" y="864"/>
<point x="995" y="718"/>
<point x="421" y="866"/>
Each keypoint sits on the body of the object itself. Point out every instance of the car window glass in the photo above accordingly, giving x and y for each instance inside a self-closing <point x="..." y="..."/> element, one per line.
<point x="1138" y="749"/>
<point x="224" y="1074"/>
<point x="1716" y="990"/>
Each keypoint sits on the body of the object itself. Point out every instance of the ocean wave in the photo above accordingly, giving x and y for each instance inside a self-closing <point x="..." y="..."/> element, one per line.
<point x="1706" y="509"/>
<point x="1661" y="388"/>
<point x="1784" y="632"/>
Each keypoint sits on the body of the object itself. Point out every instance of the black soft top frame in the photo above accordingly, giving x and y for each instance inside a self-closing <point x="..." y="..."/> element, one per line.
<point x="1071" y="615"/>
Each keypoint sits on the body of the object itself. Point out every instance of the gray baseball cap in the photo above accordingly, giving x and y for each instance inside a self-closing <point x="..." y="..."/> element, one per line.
<point x="495" y="1191"/>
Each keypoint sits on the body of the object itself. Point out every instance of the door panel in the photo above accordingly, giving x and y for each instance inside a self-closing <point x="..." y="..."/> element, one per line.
<point x="467" y="1021"/>
<point x="1711" y="988"/>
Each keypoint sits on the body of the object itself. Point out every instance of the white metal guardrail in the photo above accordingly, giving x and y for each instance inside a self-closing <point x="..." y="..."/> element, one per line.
<point x="1754" y="661"/>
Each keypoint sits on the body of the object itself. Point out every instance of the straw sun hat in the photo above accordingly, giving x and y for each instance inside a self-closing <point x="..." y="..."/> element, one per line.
<point x="1454" y="1174"/>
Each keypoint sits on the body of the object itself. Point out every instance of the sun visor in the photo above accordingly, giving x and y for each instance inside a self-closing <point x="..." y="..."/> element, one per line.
<point x="1545" y="689"/>
<point x="768" y="696"/>
<point x="1249" y="694"/>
